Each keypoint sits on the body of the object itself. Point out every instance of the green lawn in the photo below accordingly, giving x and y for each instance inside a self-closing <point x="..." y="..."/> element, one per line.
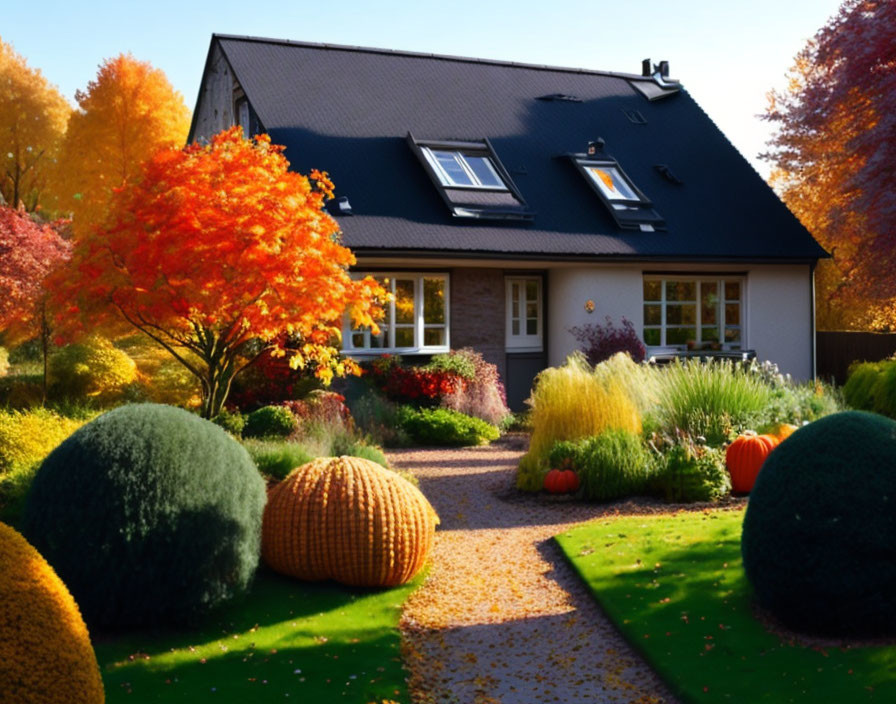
<point x="286" y="641"/>
<point x="675" y="587"/>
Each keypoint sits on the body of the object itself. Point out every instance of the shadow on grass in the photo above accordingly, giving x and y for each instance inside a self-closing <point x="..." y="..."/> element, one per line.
<point x="675" y="587"/>
<point x="284" y="640"/>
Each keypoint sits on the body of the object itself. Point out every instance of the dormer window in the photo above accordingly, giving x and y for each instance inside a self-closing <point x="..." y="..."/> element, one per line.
<point x="471" y="179"/>
<point x="630" y="208"/>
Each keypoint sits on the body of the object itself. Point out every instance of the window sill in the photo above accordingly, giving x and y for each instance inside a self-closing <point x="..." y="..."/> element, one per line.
<point x="444" y="349"/>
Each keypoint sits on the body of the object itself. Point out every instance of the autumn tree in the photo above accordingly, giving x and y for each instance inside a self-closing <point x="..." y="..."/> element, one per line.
<point x="33" y="116"/>
<point x="127" y="113"/>
<point x="29" y="252"/>
<point x="217" y="252"/>
<point x="832" y="157"/>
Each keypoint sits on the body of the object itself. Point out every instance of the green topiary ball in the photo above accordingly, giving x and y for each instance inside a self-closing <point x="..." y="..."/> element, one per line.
<point x="270" y="422"/>
<point x="820" y="529"/>
<point x="148" y="514"/>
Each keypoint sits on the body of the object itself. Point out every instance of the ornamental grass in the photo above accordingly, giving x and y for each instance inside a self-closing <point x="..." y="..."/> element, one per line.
<point x="702" y="398"/>
<point x="45" y="651"/>
<point x="569" y="403"/>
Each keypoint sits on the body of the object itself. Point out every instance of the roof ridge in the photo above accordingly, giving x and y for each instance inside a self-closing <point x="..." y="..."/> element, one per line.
<point x="426" y="55"/>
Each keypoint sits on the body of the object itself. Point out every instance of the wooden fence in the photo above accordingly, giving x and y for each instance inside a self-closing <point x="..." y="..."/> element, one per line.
<point x="835" y="351"/>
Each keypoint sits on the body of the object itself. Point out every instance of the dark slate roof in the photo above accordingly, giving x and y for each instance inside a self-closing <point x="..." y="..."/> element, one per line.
<point x="348" y="111"/>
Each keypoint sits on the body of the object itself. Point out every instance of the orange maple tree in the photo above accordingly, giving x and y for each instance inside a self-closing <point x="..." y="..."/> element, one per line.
<point x="33" y="116"/>
<point x="128" y="112"/>
<point x="217" y="252"/>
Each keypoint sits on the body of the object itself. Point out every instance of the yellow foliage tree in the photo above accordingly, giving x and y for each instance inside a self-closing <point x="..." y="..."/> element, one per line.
<point x="33" y="116"/>
<point x="126" y="115"/>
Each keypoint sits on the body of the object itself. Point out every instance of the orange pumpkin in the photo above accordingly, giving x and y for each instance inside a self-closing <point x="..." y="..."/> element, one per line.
<point x="561" y="481"/>
<point x="744" y="458"/>
<point x="782" y="431"/>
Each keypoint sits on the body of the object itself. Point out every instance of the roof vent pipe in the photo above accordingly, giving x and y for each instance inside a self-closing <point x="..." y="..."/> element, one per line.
<point x="646" y="68"/>
<point x="664" y="69"/>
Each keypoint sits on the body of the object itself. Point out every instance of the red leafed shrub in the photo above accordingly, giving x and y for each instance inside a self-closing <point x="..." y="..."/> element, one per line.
<point x="268" y="381"/>
<point x="412" y="384"/>
<point x="325" y="407"/>
<point x="600" y="342"/>
<point x="482" y="396"/>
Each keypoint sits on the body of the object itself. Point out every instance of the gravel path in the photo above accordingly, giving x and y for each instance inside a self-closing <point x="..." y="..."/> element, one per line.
<point x="501" y="617"/>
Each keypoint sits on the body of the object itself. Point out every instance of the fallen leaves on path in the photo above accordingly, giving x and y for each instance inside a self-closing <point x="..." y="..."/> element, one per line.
<point x="502" y="619"/>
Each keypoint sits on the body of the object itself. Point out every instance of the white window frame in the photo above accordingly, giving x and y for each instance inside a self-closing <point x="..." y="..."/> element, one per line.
<point x="522" y="342"/>
<point x="419" y="324"/>
<point x="460" y="157"/>
<point x="721" y="324"/>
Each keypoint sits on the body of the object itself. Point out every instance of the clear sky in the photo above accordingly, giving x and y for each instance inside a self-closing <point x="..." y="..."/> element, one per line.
<point x="727" y="53"/>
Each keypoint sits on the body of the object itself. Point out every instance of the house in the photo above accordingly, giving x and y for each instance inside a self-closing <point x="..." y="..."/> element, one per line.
<point x="500" y="202"/>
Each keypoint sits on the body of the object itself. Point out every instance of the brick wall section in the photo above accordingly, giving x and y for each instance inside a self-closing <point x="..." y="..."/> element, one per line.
<point x="477" y="313"/>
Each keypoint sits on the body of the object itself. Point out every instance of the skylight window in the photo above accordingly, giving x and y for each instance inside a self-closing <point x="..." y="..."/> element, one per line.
<point x="630" y="208"/>
<point x="463" y="169"/>
<point x="471" y="179"/>
<point x="611" y="182"/>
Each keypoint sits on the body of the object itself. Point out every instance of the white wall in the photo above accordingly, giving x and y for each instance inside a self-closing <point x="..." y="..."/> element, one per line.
<point x="616" y="291"/>
<point x="778" y="317"/>
<point x="777" y="307"/>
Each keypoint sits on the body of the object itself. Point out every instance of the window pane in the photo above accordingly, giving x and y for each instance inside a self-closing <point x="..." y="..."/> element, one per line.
<point x="457" y="176"/>
<point x="653" y="290"/>
<point x="681" y="314"/>
<point x="404" y="300"/>
<point x="732" y="290"/>
<point x="651" y="336"/>
<point x="404" y="337"/>
<point x="532" y="326"/>
<point x="732" y="314"/>
<point x="679" y="336"/>
<point x="532" y="290"/>
<point x="433" y="300"/>
<point x="681" y="290"/>
<point x="611" y="183"/>
<point x="434" y="337"/>
<point x="515" y="326"/>
<point x="381" y="340"/>
<point x="709" y="302"/>
<point x="515" y="292"/>
<point x="732" y="334"/>
<point x="532" y="310"/>
<point x="358" y="340"/>
<point x="709" y="334"/>
<point x="485" y="172"/>
<point x="653" y="314"/>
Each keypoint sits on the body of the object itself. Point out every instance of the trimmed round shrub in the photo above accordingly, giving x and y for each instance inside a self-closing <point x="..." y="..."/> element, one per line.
<point x="270" y="422"/>
<point x="149" y="514"/>
<point x="45" y="651"/>
<point x="441" y="426"/>
<point x="233" y="422"/>
<point x="93" y="368"/>
<point x="350" y="520"/>
<point x="820" y="527"/>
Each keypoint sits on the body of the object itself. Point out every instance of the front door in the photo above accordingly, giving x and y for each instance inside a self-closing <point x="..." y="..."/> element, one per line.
<point x="524" y="335"/>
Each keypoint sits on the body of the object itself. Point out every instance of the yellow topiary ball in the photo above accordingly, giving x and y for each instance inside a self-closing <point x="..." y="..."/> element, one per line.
<point x="350" y="520"/>
<point x="45" y="651"/>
